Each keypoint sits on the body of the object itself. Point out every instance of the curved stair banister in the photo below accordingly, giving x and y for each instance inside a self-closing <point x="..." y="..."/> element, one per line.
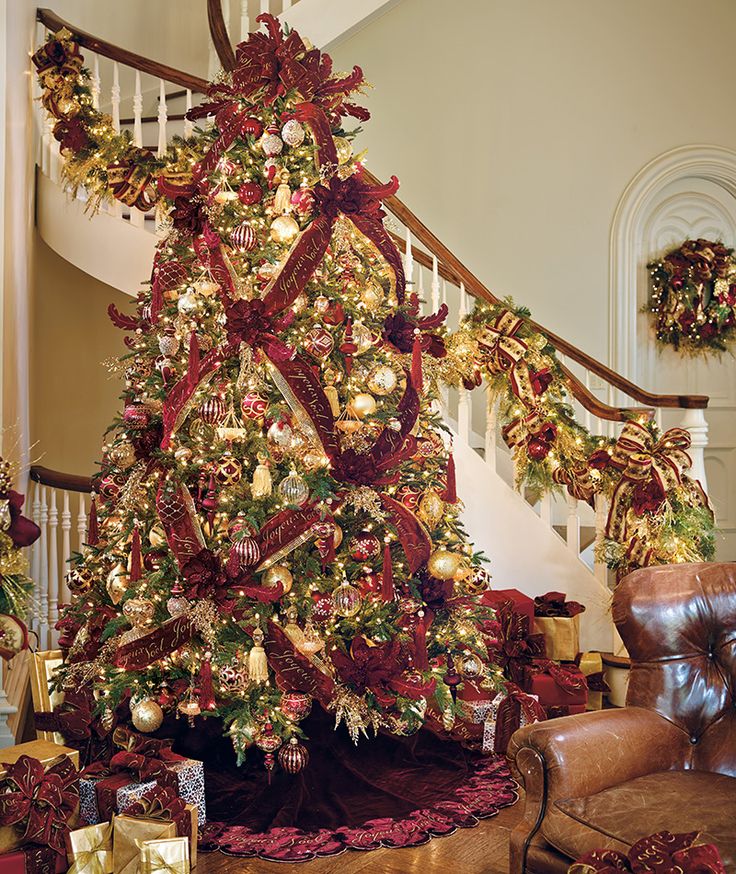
<point x="439" y="277"/>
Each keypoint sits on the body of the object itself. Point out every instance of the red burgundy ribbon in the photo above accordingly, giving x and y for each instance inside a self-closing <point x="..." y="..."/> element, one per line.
<point x="162" y="802"/>
<point x="554" y="604"/>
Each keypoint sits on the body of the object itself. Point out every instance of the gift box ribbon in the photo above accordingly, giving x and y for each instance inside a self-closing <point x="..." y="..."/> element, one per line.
<point x="516" y="645"/>
<point x="569" y="678"/>
<point x="162" y="802"/>
<point x="554" y="604"/>
<point x="90" y="860"/>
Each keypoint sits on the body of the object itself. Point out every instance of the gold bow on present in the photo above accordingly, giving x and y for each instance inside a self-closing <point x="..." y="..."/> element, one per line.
<point x="506" y="352"/>
<point x="641" y="459"/>
<point x="167" y="856"/>
<point x="91" y="849"/>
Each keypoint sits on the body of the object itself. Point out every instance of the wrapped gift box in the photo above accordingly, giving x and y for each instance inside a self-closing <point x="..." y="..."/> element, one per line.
<point x="561" y="636"/>
<point x="164" y="856"/>
<point x="163" y="804"/>
<point x="90" y="849"/>
<point x="521" y="603"/>
<point x="557" y="685"/>
<point x="591" y="664"/>
<point x="32" y="859"/>
<point x="131" y="831"/>
<point x="46" y="752"/>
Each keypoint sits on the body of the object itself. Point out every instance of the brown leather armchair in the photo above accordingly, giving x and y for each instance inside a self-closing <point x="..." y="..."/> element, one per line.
<point x="665" y="761"/>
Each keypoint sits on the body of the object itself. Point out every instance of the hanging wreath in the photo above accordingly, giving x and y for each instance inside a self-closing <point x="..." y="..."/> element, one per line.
<point x="693" y="297"/>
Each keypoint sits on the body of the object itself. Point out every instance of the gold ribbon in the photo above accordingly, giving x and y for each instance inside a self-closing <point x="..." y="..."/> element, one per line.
<point x="506" y="352"/>
<point x="641" y="458"/>
<point x="155" y="862"/>
<point x="90" y="860"/>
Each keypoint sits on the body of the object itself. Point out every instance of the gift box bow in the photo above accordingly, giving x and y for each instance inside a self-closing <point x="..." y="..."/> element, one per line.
<point x="40" y="799"/>
<point x="516" y="646"/>
<point x="568" y="677"/>
<point x="145" y="759"/>
<point x="162" y="802"/>
<point x="554" y="604"/>
<point x="90" y="859"/>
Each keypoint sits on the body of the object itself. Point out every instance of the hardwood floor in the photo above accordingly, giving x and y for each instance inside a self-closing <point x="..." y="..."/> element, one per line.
<point x="480" y="850"/>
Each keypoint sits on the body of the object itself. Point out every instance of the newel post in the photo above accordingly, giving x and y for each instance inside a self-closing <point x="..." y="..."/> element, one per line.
<point x="695" y="422"/>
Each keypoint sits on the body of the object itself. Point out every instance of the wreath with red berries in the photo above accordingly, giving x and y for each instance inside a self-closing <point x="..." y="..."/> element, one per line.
<point x="692" y="297"/>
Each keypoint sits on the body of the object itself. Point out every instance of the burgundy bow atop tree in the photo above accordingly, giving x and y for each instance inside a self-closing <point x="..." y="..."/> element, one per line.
<point x="554" y="604"/>
<point x="39" y="800"/>
<point x="660" y="853"/>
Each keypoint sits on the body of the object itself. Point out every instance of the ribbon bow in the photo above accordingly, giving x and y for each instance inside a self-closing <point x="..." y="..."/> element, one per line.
<point x="517" y="647"/>
<point x="650" y="469"/>
<point x="569" y="678"/>
<point x="160" y="802"/>
<point x="41" y="800"/>
<point x="60" y="55"/>
<point x="506" y="352"/>
<point x="517" y="709"/>
<point x="554" y="604"/>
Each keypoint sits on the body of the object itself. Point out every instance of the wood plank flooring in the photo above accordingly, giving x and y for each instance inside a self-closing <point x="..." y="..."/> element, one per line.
<point x="480" y="850"/>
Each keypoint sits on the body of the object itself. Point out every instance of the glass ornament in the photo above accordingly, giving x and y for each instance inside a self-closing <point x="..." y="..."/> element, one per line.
<point x="382" y="380"/>
<point x="363" y="404"/>
<point x="293" y="488"/>
<point x="280" y="434"/>
<point x="187" y="303"/>
<point x="213" y="410"/>
<point x="247" y="551"/>
<point x="296" y="705"/>
<point x="177" y="604"/>
<point x="278" y="573"/>
<point x="292" y="133"/>
<point x="244" y="237"/>
<point x="147" y="716"/>
<point x="283" y="229"/>
<point x="293" y="757"/>
<point x="138" y="611"/>
<point x="431" y="509"/>
<point x="346" y="600"/>
<point x="443" y="564"/>
<point x="228" y="470"/>
<point x="364" y="546"/>
<point x="344" y="149"/>
<point x="362" y="337"/>
<point x="271" y="144"/>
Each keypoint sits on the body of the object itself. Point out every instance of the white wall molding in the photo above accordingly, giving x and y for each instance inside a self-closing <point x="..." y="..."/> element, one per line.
<point x="641" y="196"/>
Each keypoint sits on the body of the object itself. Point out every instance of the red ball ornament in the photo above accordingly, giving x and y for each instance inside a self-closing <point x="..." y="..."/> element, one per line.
<point x="213" y="410"/>
<point x="321" y="607"/>
<point x="111" y="485"/>
<point x="370" y="584"/>
<point x="171" y="274"/>
<point x="319" y="342"/>
<point x="537" y="449"/>
<point x="254" y="405"/>
<point x="409" y="497"/>
<point x="364" y="546"/>
<point x="247" y="551"/>
<point x="252" y="127"/>
<point x="238" y="526"/>
<point x="293" y="757"/>
<point x="152" y="560"/>
<point x="136" y="416"/>
<point x="244" y="237"/>
<point x="296" y="705"/>
<point x="250" y="193"/>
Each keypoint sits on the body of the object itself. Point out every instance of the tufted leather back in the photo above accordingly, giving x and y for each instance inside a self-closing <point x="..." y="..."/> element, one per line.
<point x="678" y="623"/>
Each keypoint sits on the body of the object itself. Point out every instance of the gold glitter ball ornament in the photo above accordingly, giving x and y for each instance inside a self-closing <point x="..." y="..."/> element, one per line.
<point x="443" y="564"/>
<point x="344" y="149"/>
<point x="138" y="611"/>
<point x="117" y="583"/>
<point x="431" y="509"/>
<point x="147" y="715"/>
<point x="123" y="455"/>
<point x="278" y="573"/>
<point x="363" y="404"/>
<point x="283" y="229"/>
<point x="372" y="296"/>
<point x="382" y="380"/>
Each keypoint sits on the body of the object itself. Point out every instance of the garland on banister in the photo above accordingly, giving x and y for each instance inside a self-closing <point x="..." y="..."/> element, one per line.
<point x="657" y="514"/>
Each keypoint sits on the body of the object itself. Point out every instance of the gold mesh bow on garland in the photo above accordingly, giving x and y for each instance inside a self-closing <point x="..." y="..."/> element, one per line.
<point x="658" y="514"/>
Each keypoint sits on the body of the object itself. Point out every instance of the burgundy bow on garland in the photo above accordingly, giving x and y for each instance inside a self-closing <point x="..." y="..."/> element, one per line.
<point x="39" y="799"/>
<point x="660" y="853"/>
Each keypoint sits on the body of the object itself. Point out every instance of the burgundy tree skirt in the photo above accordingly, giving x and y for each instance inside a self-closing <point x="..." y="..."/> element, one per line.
<point x="385" y="792"/>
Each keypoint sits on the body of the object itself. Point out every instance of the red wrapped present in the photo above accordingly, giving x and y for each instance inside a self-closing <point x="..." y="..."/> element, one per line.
<point x="557" y="685"/>
<point x="563" y="710"/>
<point x="33" y="859"/>
<point x="520" y="603"/>
<point x="515" y="710"/>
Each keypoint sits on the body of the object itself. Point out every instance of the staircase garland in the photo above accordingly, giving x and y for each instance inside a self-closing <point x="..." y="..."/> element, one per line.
<point x="658" y="514"/>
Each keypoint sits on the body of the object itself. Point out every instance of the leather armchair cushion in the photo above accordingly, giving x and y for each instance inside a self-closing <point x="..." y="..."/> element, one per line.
<point x="676" y="801"/>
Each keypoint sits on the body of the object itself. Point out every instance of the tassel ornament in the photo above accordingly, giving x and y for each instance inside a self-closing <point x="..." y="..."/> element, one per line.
<point x="135" y="557"/>
<point x="450" y="493"/>
<point x="93" y="530"/>
<point x="257" y="661"/>
<point x="333" y="399"/>
<point x="387" y="574"/>
<point x="417" y="379"/>
<point x="262" y="484"/>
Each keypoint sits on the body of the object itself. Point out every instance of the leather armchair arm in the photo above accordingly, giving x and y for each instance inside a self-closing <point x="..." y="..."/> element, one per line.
<point x="583" y="754"/>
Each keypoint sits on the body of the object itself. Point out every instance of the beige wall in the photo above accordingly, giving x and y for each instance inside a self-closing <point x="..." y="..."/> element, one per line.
<point x="73" y="397"/>
<point x="515" y="127"/>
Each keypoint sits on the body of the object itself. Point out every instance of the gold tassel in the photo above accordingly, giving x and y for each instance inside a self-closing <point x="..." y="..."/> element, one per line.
<point x="262" y="484"/>
<point x="257" y="661"/>
<point x="331" y="395"/>
<point x="282" y="201"/>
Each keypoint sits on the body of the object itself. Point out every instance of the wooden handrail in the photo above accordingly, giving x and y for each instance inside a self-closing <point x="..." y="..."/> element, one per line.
<point x="130" y="59"/>
<point x="450" y="268"/>
<point x="55" y="479"/>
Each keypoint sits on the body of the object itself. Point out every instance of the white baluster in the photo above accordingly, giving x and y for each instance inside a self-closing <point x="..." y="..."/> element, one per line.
<point x="95" y="83"/>
<point x="658" y="418"/>
<point x="66" y="546"/>
<point x="43" y="580"/>
<point x="163" y="115"/>
<point x="491" y="426"/>
<point x="81" y="522"/>
<point x="545" y="509"/>
<point x="408" y="260"/>
<point x="463" y="305"/>
<point x="695" y="422"/>
<point x="420" y="288"/>
<point x="244" y="20"/>
<point x="464" y="414"/>
<point x="610" y="424"/>
<point x="36" y="560"/>
<point x="116" y="208"/>
<point x="445" y="391"/>
<point x="53" y="535"/>
<point x="7" y="738"/>
<point x="573" y="525"/>
<point x="264" y="6"/>
<point x="188" y="124"/>
<point x="435" y="285"/>
<point x="600" y="569"/>
<point x="137" y="219"/>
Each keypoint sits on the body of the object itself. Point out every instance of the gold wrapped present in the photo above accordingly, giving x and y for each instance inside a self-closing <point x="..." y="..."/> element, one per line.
<point x="89" y="850"/>
<point x="165" y="856"/>
<point x="591" y="664"/>
<point x="129" y="832"/>
<point x="561" y="636"/>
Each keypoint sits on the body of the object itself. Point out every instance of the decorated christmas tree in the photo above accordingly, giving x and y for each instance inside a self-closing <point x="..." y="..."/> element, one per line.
<point x="276" y="518"/>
